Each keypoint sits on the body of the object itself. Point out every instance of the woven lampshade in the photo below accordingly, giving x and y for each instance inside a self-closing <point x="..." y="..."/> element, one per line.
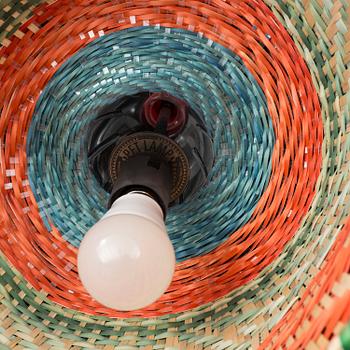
<point x="263" y="249"/>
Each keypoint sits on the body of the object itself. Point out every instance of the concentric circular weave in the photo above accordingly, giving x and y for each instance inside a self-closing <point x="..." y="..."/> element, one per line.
<point x="249" y="244"/>
<point x="153" y="59"/>
<point x="279" y="280"/>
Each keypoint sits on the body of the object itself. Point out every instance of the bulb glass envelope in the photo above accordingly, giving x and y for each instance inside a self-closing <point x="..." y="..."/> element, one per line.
<point x="126" y="260"/>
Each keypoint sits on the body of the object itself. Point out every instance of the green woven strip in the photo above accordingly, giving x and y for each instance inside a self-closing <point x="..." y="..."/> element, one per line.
<point x="345" y="337"/>
<point x="32" y="321"/>
<point x="13" y="13"/>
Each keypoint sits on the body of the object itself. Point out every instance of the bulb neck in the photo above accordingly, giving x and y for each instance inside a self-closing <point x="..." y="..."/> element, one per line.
<point x="138" y="204"/>
<point x="149" y="173"/>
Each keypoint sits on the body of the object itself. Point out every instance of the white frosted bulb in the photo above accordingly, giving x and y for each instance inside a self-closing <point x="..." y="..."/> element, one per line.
<point x="126" y="260"/>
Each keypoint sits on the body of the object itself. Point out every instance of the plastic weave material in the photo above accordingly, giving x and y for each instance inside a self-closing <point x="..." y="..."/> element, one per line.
<point x="151" y="59"/>
<point x="263" y="251"/>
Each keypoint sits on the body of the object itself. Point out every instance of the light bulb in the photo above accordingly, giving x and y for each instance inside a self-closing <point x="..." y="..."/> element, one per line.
<point x="126" y="260"/>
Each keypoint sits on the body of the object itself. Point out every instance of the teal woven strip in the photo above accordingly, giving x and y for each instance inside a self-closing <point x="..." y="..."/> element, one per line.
<point x="211" y="78"/>
<point x="264" y="296"/>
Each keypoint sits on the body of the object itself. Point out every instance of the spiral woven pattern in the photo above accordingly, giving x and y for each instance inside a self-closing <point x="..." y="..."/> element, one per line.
<point x="277" y="275"/>
<point x="141" y="59"/>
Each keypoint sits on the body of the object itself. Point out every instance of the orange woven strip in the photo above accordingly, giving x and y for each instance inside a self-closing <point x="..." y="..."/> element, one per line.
<point x="336" y="263"/>
<point x="293" y="105"/>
